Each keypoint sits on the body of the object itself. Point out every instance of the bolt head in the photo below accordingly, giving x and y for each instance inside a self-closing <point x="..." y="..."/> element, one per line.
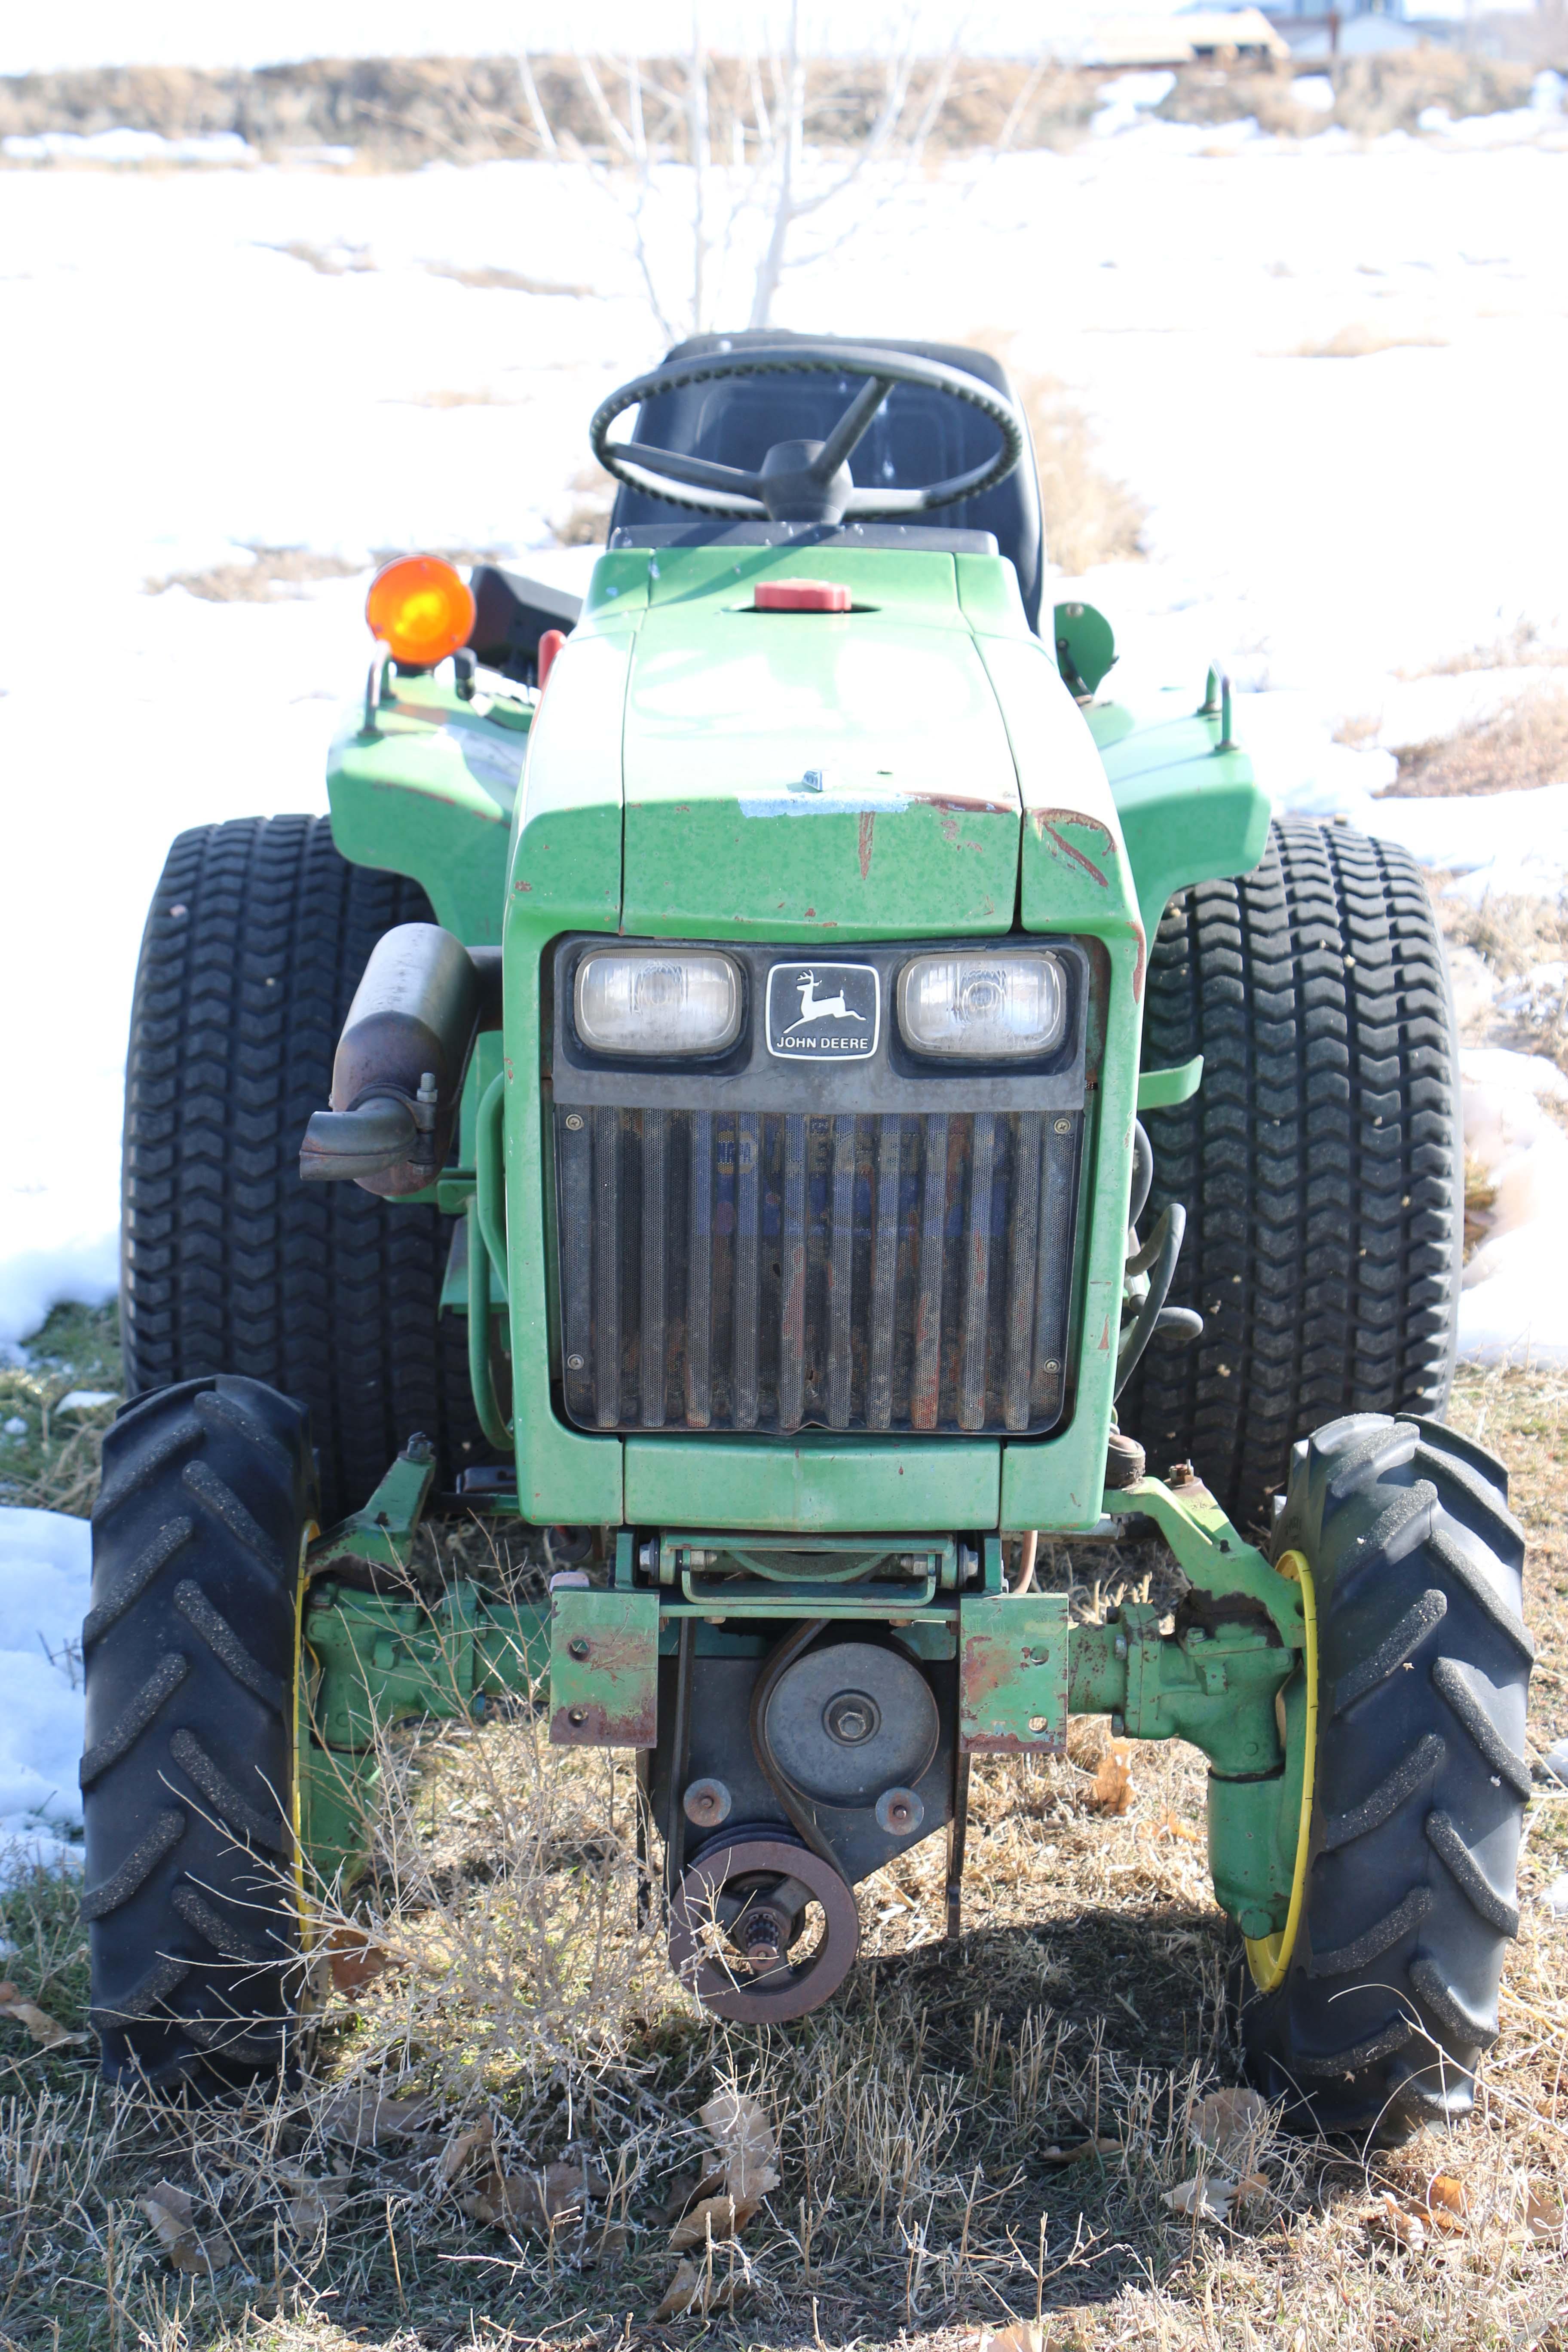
<point x="577" y="1649"/>
<point x="851" y="1718"/>
<point x="577" y="1716"/>
<point x="1119" y="1645"/>
<point x="708" y="1803"/>
<point x="900" y="1811"/>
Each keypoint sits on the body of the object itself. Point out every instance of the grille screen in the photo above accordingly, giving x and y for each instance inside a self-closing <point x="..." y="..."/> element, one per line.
<point x="774" y="1270"/>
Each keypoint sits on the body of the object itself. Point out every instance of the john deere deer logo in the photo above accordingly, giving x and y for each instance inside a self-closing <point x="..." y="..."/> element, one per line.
<point x="839" y="1014"/>
<point x="819" y="1008"/>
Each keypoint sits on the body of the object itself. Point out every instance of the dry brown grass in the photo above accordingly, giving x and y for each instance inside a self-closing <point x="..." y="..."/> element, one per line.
<point x="1514" y="938"/>
<point x="1088" y="515"/>
<point x="585" y="520"/>
<point x="1371" y="95"/>
<point x="1362" y="339"/>
<point x="277" y="571"/>
<point x="1520" y="647"/>
<point x="1524" y="745"/>
<point x="915" y="2112"/>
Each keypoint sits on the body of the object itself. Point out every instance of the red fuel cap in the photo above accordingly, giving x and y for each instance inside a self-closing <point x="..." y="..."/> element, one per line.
<point x="800" y="596"/>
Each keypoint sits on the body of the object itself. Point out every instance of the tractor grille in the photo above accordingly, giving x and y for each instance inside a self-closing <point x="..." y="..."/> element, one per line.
<point x="768" y="1270"/>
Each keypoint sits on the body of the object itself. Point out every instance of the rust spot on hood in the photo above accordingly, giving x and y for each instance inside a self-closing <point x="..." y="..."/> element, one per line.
<point x="1043" y="825"/>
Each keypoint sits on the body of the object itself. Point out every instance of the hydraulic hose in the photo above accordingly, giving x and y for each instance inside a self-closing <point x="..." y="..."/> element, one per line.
<point x="1159" y="1254"/>
<point x="1142" y="1172"/>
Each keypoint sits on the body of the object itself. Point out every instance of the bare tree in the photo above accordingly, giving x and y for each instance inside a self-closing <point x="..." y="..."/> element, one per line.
<point x="801" y="150"/>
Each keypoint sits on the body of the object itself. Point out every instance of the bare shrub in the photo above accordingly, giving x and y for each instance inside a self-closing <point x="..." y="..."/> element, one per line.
<point x="275" y="571"/>
<point x="1518" y="747"/>
<point x="1088" y="515"/>
<point x="585" y="522"/>
<point x="1360" y="339"/>
<point x="1520" y="647"/>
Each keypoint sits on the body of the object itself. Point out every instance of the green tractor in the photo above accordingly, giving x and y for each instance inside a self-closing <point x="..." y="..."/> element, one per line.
<point x="818" y="1099"/>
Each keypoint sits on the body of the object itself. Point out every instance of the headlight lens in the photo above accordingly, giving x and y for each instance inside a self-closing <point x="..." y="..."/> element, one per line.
<point x="651" y="1000"/>
<point x="983" y="1008"/>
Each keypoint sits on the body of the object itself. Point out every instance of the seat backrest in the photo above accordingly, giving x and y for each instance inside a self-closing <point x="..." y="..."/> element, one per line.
<point x="919" y="436"/>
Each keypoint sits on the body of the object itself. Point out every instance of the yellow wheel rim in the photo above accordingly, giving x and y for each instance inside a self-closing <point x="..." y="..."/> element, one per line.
<point x="306" y="1935"/>
<point x="1268" y="1957"/>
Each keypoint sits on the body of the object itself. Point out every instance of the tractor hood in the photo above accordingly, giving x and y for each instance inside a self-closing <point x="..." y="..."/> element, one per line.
<point x="857" y="773"/>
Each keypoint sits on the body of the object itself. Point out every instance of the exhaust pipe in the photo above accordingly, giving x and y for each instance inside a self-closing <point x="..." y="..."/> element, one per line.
<point x="397" y="1076"/>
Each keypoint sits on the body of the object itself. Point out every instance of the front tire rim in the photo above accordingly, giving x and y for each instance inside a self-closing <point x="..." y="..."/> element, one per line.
<point x="1268" y="1957"/>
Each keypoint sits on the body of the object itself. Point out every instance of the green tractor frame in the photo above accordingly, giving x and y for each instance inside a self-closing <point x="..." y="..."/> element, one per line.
<point x="819" y="1098"/>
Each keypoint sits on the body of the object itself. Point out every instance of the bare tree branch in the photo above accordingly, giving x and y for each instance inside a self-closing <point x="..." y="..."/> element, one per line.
<point x="537" y="115"/>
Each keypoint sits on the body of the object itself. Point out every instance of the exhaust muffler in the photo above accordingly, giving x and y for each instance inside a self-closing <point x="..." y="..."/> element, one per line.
<point x="398" y="1075"/>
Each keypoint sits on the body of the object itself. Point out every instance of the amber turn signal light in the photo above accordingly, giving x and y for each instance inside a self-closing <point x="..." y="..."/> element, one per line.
<point x="421" y="609"/>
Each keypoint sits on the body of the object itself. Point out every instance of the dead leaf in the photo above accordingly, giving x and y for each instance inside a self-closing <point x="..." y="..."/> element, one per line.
<point x="717" y="2218"/>
<point x="1210" y="2199"/>
<point x="1446" y="2202"/>
<point x="695" y="2288"/>
<point x="463" y="2146"/>
<point x="1396" y="2222"/>
<point x="313" y="2202"/>
<point x="739" y="2127"/>
<point x="528" y="2200"/>
<point x="172" y="2212"/>
<point x="1226" y="2123"/>
<point x="1064" y="2335"/>
<point x="1171" y="1825"/>
<point x="1078" y="2151"/>
<point x="1112" y="1789"/>
<point x="354" y="1962"/>
<point x="1542" y="2212"/>
<point x="688" y="2187"/>
<point x="46" y="2030"/>
<point x="361" y="2117"/>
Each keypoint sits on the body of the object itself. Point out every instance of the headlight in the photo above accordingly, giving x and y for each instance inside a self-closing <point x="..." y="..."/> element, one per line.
<point x="649" y="1000"/>
<point x="983" y="1008"/>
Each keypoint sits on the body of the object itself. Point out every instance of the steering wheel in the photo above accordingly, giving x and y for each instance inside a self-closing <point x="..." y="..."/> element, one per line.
<point x="802" y="481"/>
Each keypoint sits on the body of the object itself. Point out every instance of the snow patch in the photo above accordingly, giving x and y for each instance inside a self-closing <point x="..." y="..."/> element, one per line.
<point x="126" y="146"/>
<point x="1514" y="1301"/>
<point x="46" y="1573"/>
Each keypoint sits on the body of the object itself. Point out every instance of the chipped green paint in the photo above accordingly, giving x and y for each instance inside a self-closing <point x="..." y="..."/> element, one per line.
<point x="604" y="1667"/>
<point x="1013" y="1673"/>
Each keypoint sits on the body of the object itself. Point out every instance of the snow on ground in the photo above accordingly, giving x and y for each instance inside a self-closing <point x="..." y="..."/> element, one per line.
<point x="216" y="359"/>
<point x="1514" y="1304"/>
<point x="45" y="1568"/>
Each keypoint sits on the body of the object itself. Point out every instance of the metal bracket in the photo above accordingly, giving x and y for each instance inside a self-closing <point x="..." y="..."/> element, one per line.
<point x="604" y="1667"/>
<point x="1163" y="1089"/>
<point x="1208" y="1549"/>
<point x="1013" y="1673"/>
<point x="384" y="1529"/>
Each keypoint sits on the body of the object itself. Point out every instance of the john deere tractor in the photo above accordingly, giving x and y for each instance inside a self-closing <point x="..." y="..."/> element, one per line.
<point x="772" y="1082"/>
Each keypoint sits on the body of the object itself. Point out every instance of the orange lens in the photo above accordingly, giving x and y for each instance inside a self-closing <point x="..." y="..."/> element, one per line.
<point x="421" y="608"/>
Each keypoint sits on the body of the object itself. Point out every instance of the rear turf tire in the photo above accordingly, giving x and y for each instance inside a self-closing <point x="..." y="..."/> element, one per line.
<point x="1424" y="1667"/>
<point x="188" y="1771"/>
<point x="256" y="938"/>
<point x="1320" y="1163"/>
